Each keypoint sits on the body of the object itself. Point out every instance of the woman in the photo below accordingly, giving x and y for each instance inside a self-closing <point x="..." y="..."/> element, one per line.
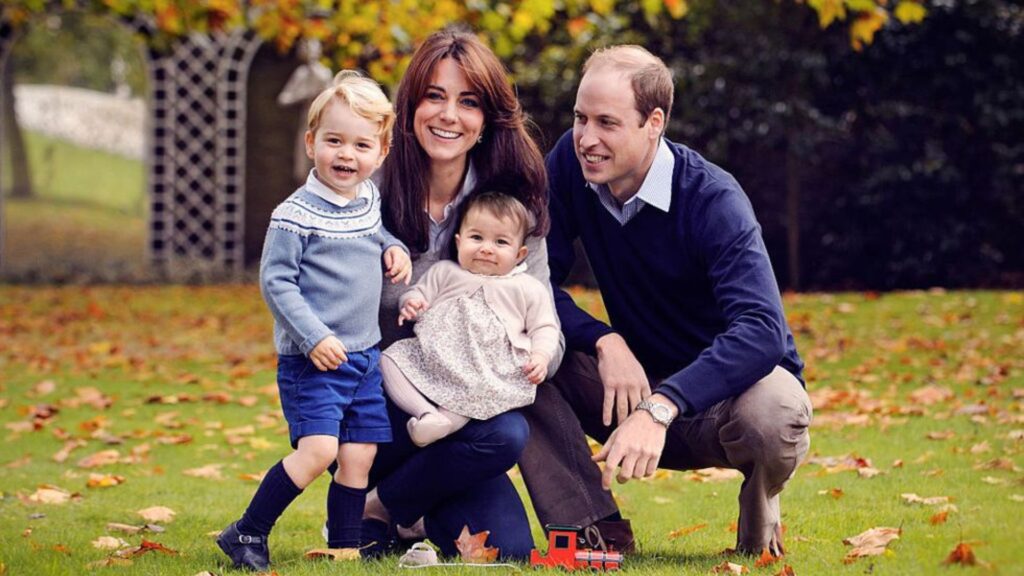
<point x="459" y="125"/>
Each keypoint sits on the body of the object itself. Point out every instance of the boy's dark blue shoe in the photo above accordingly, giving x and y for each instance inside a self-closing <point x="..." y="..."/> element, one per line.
<point x="244" y="550"/>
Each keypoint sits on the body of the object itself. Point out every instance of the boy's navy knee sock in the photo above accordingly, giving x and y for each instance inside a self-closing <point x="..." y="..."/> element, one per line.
<point x="344" y="515"/>
<point x="275" y="493"/>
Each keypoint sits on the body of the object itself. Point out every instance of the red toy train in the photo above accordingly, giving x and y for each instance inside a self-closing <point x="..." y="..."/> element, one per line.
<point x="564" y="551"/>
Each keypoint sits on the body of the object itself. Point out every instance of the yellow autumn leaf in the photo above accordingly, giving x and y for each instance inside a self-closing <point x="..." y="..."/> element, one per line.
<point x="335" y="554"/>
<point x="909" y="12"/>
<point x="828" y="11"/>
<point x="862" y="31"/>
<point x="677" y="8"/>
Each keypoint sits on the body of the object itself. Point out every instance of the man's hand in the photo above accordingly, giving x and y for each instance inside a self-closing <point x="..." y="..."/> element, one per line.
<point x="412" y="308"/>
<point x="624" y="379"/>
<point x="634" y="447"/>
<point x="397" y="265"/>
<point x="329" y="354"/>
<point x="537" y="368"/>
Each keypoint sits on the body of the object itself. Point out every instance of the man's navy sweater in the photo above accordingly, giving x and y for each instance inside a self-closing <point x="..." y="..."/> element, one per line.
<point x="691" y="290"/>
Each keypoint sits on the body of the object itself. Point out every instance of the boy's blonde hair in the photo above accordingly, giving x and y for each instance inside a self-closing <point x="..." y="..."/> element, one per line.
<point x="363" y="96"/>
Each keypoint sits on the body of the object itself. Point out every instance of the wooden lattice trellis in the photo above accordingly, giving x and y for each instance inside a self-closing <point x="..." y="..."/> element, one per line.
<point x="197" y="149"/>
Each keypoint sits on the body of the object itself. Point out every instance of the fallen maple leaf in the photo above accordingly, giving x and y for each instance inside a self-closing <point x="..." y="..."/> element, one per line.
<point x="157" y="514"/>
<point x="868" y="472"/>
<point x="210" y="472"/>
<point x="108" y="543"/>
<point x="126" y="528"/>
<point x="766" y="559"/>
<point x="939" y="518"/>
<point x="943" y="435"/>
<point x="931" y="394"/>
<point x="335" y="554"/>
<point x="872" y="542"/>
<point x="911" y="498"/>
<point x="104" y="480"/>
<point x="45" y="387"/>
<point x="473" y="548"/>
<point x="962" y="554"/>
<point x="684" y="531"/>
<point x="146" y="546"/>
<point x="787" y="570"/>
<point x="835" y="493"/>
<point x="101" y="458"/>
<point x="47" y="494"/>
<point x="727" y="567"/>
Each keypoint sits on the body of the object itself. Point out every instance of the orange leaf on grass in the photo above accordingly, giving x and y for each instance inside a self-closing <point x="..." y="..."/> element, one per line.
<point x="335" y="554"/>
<point x="939" y="518"/>
<point x="872" y="542"/>
<point x="146" y="546"/>
<point x="104" y="480"/>
<point x="766" y="559"/>
<point x="684" y="531"/>
<point x="157" y="514"/>
<point x="730" y="568"/>
<point x="101" y="458"/>
<point x="787" y="570"/>
<point x="473" y="547"/>
<point x="962" y="554"/>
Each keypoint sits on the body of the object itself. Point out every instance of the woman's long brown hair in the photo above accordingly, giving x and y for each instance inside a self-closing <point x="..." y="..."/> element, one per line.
<point x="507" y="148"/>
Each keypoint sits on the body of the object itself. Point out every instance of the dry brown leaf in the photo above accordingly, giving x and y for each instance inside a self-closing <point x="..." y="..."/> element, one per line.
<point x="911" y="498"/>
<point x="146" y="546"/>
<point x="787" y="570"/>
<point x="715" y="475"/>
<point x="981" y="448"/>
<point x="157" y="514"/>
<point x="108" y="543"/>
<point x="126" y="528"/>
<point x="962" y="554"/>
<point x="210" y="472"/>
<point x="104" y="480"/>
<point x="19" y="462"/>
<point x="872" y="542"/>
<point x="65" y="451"/>
<point x="20" y="426"/>
<point x="835" y="493"/>
<point x="101" y="458"/>
<point x="684" y="531"/>
<point x="998" y="464"/>
<point x="45" y="387"/>
<point x="939" y="518"/>
<point x="240" y="431"/>
<point x="473" y="547"/>
<point x="868" y="472"/>
<point x="176" y="439"/>
<point x="335" y="554"/>
<point x="766" y="559"/>
<point x="941" y="435"/>
<point x="727" y="567"/>
<point x="931" y="394"/>
<point x="258" y="477"/>
<point x="47" y="494"/>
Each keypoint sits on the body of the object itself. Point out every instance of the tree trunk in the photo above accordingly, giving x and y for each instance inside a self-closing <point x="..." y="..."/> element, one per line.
<point x="21" y="179"/>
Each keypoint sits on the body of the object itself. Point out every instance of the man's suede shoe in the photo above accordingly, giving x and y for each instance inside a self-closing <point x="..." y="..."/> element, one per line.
<point x="609" y="535"/>
<point x="245" y="551"/>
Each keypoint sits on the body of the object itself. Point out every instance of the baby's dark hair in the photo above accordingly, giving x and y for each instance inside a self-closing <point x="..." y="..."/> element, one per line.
<point x="501" y="205"/>
<point x="498" y="197"/>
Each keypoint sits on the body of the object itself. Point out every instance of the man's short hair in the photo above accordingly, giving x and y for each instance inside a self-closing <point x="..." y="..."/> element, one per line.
<point x="650" y="78"/>
<point x="363" y="96"/>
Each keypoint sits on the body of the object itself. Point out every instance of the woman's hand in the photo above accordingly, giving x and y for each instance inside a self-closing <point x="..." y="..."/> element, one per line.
<point x="329" y="354"/>
<point x="397" y="265"/>
<point x="412" y="308"/>
<point x="537" y="368"/>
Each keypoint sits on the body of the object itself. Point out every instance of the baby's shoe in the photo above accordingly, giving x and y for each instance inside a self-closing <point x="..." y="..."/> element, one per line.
<point x="246" y="551"/>
<point x="421" y="554"/>
<point x="428" y="428"/>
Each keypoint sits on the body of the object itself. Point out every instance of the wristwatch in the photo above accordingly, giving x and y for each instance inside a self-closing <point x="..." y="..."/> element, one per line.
<point x="661" y="413"/>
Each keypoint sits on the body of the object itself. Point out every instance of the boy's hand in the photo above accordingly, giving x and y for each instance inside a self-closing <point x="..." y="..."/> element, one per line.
<point x="536" y="369"/>
<point x="397" y="265"/>
<point x="412" y="308"/>
<point x="329" y="354"/>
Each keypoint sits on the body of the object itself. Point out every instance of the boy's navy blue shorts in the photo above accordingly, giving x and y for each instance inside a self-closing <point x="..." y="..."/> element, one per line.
<point x="347" y="403"/>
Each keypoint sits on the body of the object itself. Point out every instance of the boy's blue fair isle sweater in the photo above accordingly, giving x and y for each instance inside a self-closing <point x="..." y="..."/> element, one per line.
<point x="320" y="273"/>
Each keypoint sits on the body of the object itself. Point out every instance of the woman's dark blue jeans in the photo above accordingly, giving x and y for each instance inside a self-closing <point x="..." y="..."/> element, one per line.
<point x="457" y="481"/>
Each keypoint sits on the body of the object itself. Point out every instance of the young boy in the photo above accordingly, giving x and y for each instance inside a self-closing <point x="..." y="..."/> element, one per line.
<point x="321" y="277"/>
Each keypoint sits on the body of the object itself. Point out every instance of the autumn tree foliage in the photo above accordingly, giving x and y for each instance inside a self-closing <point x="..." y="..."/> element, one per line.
<point x="380" y="36"/>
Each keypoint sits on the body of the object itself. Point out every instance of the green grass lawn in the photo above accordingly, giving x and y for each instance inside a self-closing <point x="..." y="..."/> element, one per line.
<point x="176" y="361"/>
<point x="86" y="220"/>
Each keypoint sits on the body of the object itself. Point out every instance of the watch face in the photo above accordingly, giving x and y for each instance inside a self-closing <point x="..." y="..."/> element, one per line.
<point x="661" y="412"/>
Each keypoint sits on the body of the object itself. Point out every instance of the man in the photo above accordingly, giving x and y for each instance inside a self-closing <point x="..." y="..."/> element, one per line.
<point x="696" y="317"/>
